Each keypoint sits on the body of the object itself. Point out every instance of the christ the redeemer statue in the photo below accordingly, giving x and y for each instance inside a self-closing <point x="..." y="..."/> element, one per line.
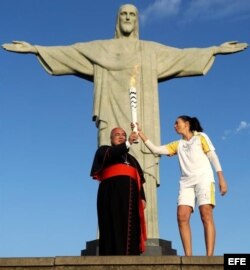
<point x="110" y="64"/>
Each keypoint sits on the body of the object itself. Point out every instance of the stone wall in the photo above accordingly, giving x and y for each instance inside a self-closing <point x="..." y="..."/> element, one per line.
<point x="114" y="263"/>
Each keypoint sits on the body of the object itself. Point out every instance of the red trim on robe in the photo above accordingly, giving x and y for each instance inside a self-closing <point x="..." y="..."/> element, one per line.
<point x="122" y="169"/>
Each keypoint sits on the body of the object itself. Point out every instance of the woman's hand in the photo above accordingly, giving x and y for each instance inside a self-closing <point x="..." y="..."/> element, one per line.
<point x="133" y="137"/>
<point x="138" y="126"/>
<point x="222" y="183"/>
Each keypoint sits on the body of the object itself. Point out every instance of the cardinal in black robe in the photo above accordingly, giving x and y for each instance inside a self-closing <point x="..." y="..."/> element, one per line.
<point x="120" y="199"/>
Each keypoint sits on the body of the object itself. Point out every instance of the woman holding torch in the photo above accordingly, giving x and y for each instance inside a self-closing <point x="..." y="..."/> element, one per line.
<point x="195" y="152"/>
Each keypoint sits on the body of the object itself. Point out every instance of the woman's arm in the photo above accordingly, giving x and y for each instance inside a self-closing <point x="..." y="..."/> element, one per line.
<point x="213" y="158"/>
<point x="158" y="150"/>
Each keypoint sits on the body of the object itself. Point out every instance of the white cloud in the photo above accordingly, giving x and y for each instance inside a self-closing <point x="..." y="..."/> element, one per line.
<point x="195" y="9"/>
<point x="243" y="125"/>
<point x="213" y="9"/>
<point x="226" y="133"/>
<point x="160" y="9"/>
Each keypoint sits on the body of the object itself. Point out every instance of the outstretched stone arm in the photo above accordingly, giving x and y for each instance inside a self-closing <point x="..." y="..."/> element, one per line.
<point x="20" y="47"/>
<point x="225" y="48"/>
<point x="230" y="47"/>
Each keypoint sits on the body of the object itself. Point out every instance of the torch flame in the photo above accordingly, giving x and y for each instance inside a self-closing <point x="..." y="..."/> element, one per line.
<point x="132" y="81"/>
<point x="135" y="72"/>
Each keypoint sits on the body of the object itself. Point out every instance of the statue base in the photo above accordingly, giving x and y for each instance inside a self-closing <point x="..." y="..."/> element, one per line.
<point x="154" y="247"/>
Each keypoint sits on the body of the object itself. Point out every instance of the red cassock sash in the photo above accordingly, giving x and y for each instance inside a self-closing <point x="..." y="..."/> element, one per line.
<point x="123" y="169"/>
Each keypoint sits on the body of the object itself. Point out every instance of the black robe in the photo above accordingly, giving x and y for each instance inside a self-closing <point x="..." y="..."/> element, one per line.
<point x="118" y="199"/>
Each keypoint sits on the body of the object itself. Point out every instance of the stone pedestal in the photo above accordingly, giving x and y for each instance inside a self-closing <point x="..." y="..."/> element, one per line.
<point x="159" y="247"/>
<point x="154" y="247"/>
<point x="114" y="263"/>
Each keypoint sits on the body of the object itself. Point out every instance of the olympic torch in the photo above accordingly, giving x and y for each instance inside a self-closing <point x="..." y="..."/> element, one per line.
<point x="133" y="104"/>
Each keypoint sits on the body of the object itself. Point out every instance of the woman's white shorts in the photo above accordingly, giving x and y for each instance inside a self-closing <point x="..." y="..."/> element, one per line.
<point x="200" y="194"/>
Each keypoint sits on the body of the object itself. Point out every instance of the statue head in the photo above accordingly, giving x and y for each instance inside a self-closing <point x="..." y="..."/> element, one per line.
<point x="127" y="23"/>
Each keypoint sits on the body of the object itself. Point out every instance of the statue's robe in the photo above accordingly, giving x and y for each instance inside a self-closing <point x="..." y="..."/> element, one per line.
<point x="111" y="64"/>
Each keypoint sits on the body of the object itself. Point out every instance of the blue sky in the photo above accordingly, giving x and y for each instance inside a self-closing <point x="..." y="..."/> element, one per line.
<point x="47" y="138"/>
